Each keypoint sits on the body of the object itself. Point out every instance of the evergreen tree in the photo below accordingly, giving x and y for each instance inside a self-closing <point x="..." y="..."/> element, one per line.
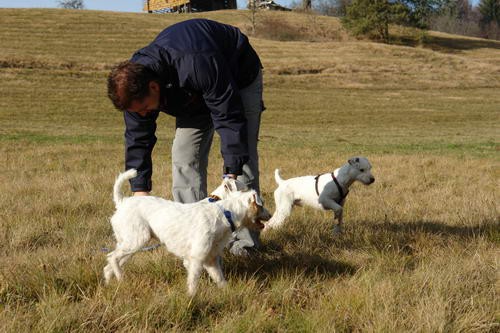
<point x="421" y="11"/>
<point x="372" y="17"/>
<point x="490" y="11"/>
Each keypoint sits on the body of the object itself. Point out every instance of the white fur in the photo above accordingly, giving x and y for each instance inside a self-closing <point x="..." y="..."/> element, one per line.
<point x="123" y="177"/>
<point x="196" y="232"/>
<point x="301" y="190"/>
<point x="228" y="185"/>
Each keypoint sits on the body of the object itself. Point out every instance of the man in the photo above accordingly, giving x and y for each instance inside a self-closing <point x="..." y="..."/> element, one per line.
<point x="208" y="76"/>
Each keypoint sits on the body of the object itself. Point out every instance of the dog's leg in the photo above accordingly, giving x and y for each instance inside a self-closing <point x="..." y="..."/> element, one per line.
<point x="214" y="269"/>
<point x="242" y="241"/>
<point x="129" y="242"/>
<point x="113" y="264"/>
<point x="337" y="229"/>
<point x="116" y="260"/>
<point x="108" y="273"/>
<point x="194" y="272"/>
<point x="330" y="204"/>
<point x="124" y="260"/>
<point x="284" y="205"/>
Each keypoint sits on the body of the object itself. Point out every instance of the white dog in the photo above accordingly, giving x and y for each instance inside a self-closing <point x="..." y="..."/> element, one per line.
<point x="196" y="232"/>
<point x="325" y="191"/>
<point x="223" y="190"/>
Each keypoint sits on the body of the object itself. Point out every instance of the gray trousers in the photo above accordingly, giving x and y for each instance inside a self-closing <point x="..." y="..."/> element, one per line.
<point x="190" y="150"/>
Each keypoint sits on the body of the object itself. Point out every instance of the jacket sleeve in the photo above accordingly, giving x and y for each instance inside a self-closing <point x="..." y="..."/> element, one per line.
<point x="213" y="78"/>
<point x="139" y="142"/>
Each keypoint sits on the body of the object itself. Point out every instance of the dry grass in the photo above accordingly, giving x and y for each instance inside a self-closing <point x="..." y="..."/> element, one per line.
<point x="421" y="247"/>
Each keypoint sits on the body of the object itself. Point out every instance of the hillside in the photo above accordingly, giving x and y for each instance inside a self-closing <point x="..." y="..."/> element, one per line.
<point x="420" y="247"/>
<point x="93" y="41"/>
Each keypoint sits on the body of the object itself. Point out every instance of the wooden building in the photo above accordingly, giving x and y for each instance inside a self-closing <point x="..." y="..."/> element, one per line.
<point x="176" y="6"/>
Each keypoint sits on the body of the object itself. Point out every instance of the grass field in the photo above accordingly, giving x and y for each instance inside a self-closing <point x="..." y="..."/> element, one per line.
<point x="420" y="252"/>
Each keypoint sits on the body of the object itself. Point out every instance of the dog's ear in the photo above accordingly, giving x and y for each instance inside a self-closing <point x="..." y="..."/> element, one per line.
<point x="353" y="161"/>
<point x="257" y="200"/>
<point x="229" y="185"/>
<point x="254" y="201"/>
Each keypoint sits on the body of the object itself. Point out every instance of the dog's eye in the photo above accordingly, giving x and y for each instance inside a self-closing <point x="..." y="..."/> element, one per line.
<point x="362" y="170"/>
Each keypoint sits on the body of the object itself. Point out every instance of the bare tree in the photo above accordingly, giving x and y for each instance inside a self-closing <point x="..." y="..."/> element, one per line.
<point x="332" y="7"/>
<point x="71" y="4"/>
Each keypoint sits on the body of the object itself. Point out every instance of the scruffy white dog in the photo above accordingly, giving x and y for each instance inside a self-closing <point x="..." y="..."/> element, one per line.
<point x="196" y="232"/>
<point x="325" y="191"/>
<point x="223" y="190"/>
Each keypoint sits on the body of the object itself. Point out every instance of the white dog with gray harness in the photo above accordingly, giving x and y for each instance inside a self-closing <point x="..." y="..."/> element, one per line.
<point x="325" y="191"/>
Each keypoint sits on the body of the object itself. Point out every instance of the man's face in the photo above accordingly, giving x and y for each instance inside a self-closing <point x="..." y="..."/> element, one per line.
<point x="149" y="103"/>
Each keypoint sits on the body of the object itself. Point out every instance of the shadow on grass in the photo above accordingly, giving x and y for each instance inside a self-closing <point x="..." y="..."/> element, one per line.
<point x="447" y="44"/>
<point x="460" y="44"/>
<point x="487" y="229"/>
<point x="261" y="265"/>
<point x="400" y="237"/>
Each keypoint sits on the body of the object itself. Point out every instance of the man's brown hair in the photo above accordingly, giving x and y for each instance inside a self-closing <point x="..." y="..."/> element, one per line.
<point x="128" y="82"/>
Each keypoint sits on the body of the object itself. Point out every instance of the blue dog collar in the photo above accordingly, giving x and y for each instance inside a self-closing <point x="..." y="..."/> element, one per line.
<point x="229" y="218"/>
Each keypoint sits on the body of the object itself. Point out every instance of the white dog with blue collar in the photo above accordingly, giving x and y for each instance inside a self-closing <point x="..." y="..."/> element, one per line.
<point x="196" y="232"/>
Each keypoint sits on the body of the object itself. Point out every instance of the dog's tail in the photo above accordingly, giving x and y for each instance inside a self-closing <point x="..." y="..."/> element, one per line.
<point x="122" y="177"/>
<point x="277" y="177"/>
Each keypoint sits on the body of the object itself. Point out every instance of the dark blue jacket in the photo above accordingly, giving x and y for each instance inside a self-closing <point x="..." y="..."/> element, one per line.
<point x="201" y="65"/>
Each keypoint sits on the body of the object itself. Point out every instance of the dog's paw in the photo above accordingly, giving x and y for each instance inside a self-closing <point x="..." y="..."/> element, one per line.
<point x="238" y="251"/>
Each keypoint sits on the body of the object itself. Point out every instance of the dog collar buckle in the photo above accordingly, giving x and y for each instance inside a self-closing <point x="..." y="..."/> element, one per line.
<point x="229" y="218"/>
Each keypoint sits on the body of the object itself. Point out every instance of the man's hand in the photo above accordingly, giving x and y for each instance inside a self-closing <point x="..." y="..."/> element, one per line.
<point x="140" y="194"/>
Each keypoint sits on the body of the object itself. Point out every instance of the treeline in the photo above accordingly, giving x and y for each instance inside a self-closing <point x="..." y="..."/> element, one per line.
<point x="372" y="17"/>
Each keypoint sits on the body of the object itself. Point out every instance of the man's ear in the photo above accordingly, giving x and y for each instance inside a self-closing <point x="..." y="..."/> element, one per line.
<point x="154" y="86"/>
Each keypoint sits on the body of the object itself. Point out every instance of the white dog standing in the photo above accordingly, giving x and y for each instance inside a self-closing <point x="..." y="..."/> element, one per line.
<point x="196" y="232"/>
<point x="325" y="191"/>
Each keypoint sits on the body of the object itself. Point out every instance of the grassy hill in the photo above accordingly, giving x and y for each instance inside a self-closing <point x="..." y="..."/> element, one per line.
<point x="420" y="250"/>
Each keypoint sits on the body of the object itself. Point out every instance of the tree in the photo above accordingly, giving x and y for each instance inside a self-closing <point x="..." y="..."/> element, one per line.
<point x="457" y="17"/>
<point x="490" y="11"/>
<point x="306" y="4"/>
<point x="421" y="11"/>
<point x="71" y="4"/>
<point x="252" y="7"/>
<point x="463" y="9"/>
<point x="332" y="7"/>
<point x="372" y="17"/>
<point x="490" y="18"/>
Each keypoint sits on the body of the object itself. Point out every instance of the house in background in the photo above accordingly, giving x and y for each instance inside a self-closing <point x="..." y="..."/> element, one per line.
<point x="180" y="6"/>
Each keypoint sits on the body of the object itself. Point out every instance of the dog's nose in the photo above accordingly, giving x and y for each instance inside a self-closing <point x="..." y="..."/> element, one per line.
<point x="265" y="215"/>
